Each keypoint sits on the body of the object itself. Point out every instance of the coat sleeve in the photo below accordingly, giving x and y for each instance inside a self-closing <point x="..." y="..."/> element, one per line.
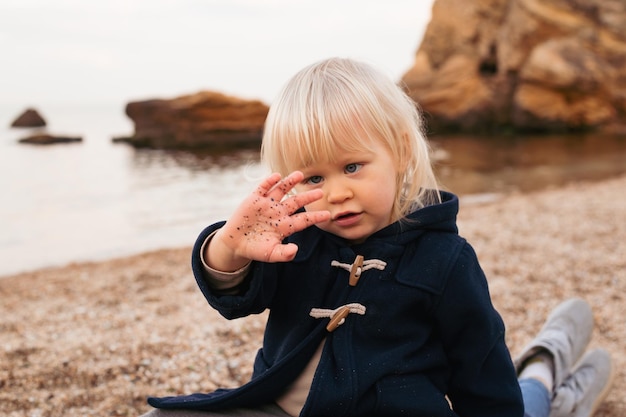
<point x="483" y="380"/>
<point x="254" y="293"/>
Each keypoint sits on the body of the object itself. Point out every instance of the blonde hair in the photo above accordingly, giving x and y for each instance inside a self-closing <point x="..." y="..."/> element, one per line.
<point x="316" y="115"/>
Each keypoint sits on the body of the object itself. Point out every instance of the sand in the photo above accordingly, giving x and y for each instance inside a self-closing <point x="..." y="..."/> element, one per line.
<point x="95" y="339"/>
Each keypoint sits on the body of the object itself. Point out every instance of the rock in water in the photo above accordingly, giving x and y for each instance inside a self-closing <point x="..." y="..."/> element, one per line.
<point x="29" y="118"/>
<point x="47" y="139"/>
<point x="204" y="119"/>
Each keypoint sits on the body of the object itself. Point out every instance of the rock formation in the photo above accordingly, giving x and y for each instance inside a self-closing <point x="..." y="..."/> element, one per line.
<point x="29" y="118"/>
<point x="544" y="65"/>
<point x="47" y="139"/>
<point x="204" y="119"/>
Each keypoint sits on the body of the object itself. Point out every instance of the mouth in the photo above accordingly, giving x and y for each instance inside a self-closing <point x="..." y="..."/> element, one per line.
<point x="344" y="215"/>
<point x="347" y="218"/>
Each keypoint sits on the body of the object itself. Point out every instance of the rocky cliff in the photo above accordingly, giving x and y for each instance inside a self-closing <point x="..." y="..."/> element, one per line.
<point x="552" y="65"/>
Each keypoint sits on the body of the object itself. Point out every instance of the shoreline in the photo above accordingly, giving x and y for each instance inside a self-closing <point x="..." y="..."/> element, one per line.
<point x="469" y="199"/>
<point x="97" y="338"/>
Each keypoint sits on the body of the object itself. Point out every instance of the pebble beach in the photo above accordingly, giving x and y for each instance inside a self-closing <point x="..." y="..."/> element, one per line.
<point x="96" y="339"/>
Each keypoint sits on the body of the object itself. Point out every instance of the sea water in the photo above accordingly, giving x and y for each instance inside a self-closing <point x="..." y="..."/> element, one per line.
<point x="96" y="199"/>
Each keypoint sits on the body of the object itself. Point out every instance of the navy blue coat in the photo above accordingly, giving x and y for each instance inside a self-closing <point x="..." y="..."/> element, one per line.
<point x="429" y="331"/>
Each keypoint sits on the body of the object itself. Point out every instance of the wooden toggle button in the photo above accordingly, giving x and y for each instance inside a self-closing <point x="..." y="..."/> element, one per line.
<point x="355" y="271"/>
<point x="338" y="318"/>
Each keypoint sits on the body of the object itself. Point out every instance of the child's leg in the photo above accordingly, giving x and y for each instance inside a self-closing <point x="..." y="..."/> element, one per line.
<point x="563" y="339"/>
<point x="536" y="398"/>
<point x="270" y="410"/>
<point x="547" y="361"/>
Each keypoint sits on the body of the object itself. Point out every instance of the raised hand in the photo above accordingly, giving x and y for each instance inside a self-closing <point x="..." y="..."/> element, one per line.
<point x="258" y="226"/>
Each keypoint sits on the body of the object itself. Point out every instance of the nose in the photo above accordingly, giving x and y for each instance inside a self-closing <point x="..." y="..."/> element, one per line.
<point x="337" y="191"/>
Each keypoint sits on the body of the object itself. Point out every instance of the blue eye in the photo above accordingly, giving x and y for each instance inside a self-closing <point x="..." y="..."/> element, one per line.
<point x="313" y="180"/>
<point x="352" y="168"/>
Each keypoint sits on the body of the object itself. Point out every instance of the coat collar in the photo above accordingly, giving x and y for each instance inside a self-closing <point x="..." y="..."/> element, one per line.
<point x="438" y="217"/>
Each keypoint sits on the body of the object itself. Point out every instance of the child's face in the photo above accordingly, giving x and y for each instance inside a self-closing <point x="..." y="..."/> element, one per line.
<point x="359" y="192"/>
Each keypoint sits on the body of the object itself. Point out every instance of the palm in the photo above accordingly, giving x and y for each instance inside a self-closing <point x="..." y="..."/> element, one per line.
<point x="257" y="228"/>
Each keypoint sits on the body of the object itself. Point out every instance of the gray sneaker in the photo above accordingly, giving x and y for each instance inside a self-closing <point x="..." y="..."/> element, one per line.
<point x="565" y="334"/>
<point x="584" y="390"/>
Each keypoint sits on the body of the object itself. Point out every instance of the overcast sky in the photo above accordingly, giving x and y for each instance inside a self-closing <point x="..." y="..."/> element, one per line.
<point x="114" y="51"/>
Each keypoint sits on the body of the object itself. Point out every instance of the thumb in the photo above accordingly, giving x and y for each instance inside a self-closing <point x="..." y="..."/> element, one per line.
<point x="283" y="253"/>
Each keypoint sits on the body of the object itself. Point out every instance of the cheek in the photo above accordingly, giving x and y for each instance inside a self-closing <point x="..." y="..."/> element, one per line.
<point x="390" y="198"/>
<point x="388" y="189"/>
<point x="386" y="198"/>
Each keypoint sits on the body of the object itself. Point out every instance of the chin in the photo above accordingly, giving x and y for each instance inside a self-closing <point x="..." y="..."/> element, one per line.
<point x="354" y="238"/>
<point x="351" y="236"/>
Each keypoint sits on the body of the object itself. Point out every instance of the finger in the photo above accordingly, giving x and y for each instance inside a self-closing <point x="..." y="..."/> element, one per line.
<point x="284" y="186"/>
<point x="283" y="253"/>
<point x="301" y="221"/>
<point x="268" y="184"/>
<point x="300" y="200"/>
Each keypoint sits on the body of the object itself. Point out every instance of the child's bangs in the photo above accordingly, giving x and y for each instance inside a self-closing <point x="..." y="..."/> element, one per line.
<point x="326" y="134"/>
